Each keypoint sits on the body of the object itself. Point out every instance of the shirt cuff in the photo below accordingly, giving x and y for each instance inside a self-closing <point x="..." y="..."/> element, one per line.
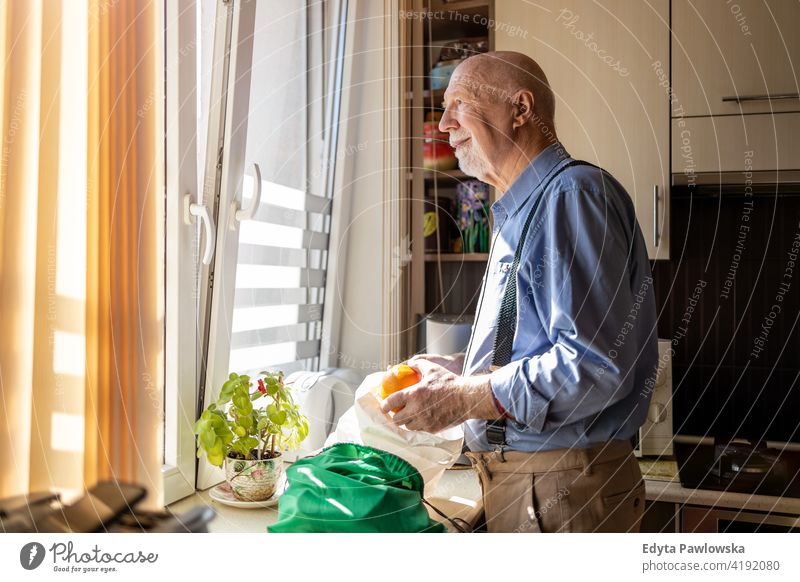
<point x="516" y="398"/>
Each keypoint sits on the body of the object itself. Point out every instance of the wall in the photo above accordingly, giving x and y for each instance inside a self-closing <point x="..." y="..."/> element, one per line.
<point x="361" y="147"/>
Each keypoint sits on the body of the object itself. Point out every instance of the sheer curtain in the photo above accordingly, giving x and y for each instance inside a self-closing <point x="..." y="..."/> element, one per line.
<point x="81" y="246"/>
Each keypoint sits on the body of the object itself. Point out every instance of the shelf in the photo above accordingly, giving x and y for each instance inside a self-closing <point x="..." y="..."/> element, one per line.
<point x="457" y="257"/>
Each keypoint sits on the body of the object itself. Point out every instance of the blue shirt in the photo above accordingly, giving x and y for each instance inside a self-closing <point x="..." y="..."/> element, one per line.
<point x="585" y="349"/>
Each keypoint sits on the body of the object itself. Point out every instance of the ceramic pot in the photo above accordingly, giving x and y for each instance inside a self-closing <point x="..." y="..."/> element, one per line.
<point x="253" y="480"/>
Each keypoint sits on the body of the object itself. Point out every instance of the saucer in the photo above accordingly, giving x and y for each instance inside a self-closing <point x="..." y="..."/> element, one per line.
<point x="224" y="495"/>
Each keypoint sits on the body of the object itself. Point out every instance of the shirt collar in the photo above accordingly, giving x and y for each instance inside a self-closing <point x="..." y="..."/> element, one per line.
<point x="530" y="178"/>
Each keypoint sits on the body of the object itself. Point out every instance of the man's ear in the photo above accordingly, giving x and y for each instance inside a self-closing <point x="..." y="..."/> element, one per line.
<point x="523" y="108"/>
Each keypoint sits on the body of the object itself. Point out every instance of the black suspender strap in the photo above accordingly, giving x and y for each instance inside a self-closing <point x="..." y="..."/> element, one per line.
<point x="507" y="318"/>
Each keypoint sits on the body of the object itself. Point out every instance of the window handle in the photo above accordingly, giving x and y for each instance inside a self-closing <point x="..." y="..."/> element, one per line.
<point x="192" y="209"/>
<point x="239" y="214"/>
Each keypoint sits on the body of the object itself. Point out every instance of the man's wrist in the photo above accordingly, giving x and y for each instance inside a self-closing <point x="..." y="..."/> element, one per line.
<point x="481" y="401"/>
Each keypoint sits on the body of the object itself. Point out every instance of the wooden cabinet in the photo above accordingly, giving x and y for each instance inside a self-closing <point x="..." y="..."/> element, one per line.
<point x="731" y="57"/>
<point x="608" y="64"/>
<point x="736" y="143"/>
<point x="736" y="94"/>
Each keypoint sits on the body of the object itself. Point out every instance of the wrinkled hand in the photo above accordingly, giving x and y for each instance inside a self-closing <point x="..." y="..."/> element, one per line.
<point x="453" y="363"/>
<point x="441" y="399"/>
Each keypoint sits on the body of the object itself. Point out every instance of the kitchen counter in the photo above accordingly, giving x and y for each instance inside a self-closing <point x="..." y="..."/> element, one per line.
<point x="673" y="492"/>
<point x="458" y="494"/>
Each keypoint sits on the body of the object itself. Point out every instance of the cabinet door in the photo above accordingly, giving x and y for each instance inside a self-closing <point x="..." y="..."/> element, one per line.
<point x="608" y="64"/>
<point x="722" y="51"/>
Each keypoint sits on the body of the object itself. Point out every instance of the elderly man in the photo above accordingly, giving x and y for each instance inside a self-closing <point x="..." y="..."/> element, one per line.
<point x="559" y="369"/>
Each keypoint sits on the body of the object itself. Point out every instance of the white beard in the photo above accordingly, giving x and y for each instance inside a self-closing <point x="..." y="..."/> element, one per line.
<point x="472" y="160"/>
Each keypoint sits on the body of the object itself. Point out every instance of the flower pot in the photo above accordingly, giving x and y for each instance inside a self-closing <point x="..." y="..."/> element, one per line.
<point x="253" y="480"/>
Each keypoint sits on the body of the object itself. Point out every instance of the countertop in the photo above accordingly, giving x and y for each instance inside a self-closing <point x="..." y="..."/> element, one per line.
<point x="673" y="492"/>
<point x="458" y="494"/>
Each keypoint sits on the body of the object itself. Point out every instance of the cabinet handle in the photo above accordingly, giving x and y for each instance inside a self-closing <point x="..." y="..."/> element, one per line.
<point x="655" y="215"/>
<point x="768" y="97"/>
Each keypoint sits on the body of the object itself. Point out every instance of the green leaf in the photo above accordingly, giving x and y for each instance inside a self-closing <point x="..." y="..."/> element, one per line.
<point x="244" y="445"/>
<point x="208" y="438"/>
<point x="240" y="431"/>
<point x="278" y="417"/>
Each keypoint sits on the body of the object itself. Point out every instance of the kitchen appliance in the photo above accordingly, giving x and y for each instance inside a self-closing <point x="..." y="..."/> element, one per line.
<point x="736" y="388"/>
<point x="739" y="465"/>
<point x="655" y="435"/>
<point x="444" y="334"/>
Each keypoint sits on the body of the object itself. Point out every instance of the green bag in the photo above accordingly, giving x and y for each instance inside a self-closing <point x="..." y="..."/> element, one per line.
<point x="351" y="488"/>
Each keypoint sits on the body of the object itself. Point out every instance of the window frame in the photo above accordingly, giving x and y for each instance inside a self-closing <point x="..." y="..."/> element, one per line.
<point x="185" y="277"/>
<point x="181" y="333"/>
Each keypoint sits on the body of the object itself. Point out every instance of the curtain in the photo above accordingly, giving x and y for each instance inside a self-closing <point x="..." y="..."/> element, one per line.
<point x="81" y="246"/>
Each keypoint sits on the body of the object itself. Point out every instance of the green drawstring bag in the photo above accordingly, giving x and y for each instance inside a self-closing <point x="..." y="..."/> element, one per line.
<point x="350" y="488"/>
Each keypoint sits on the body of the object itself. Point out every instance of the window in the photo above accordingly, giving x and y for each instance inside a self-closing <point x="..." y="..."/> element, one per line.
<point x="252" y="88"/>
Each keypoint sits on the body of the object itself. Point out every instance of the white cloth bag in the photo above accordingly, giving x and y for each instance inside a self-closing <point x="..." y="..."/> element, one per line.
<point x="365" y="423"/>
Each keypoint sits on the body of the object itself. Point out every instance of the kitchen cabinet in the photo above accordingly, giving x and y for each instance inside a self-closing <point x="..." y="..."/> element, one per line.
<point x="731" y="58"/>
<point x="736" y="143"/>
<point x="608" y="64"/>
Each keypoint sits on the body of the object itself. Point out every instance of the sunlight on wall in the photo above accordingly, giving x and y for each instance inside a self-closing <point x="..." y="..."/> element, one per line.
<point x="66" y="432"/>
<point x="71" y="237"/>
<point x="69" y="353"/>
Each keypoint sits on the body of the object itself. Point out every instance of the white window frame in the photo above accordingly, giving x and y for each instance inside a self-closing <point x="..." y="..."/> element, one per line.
<point x="185" y="277"/>
<point x="181" y="341"/>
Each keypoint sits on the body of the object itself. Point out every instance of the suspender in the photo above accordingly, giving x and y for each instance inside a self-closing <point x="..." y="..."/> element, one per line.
<point x="507" y="318"/>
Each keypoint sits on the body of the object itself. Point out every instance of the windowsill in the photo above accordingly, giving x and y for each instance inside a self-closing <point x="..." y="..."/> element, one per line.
<point x="458" y="494"/>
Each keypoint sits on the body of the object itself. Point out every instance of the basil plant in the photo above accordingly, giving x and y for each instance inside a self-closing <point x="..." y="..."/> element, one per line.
<point x="250" y="421"/>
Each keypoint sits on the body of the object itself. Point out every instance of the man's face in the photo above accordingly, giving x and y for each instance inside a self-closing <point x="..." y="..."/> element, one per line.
<point x="479" y="125"/>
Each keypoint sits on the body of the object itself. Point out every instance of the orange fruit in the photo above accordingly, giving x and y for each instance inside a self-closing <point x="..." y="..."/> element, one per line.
<point x="397" y="378"/>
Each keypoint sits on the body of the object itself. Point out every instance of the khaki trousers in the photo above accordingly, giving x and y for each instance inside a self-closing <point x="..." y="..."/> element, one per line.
<point x="599" y="489"/>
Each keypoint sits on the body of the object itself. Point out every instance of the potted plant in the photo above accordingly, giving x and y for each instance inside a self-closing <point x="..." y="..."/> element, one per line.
<point x="246" y="429"/>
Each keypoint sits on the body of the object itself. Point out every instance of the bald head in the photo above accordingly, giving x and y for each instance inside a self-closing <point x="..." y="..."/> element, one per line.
<point x="502" y="74"/>
<point x="498" y="112"/>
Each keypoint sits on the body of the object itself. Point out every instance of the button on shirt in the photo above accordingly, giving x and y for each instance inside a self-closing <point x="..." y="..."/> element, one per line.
<point x="585" y="351"/>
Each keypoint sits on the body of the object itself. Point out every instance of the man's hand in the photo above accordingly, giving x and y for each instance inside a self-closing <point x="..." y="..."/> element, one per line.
<point x="452" y="363"/>
<point x="441" y="399"/>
